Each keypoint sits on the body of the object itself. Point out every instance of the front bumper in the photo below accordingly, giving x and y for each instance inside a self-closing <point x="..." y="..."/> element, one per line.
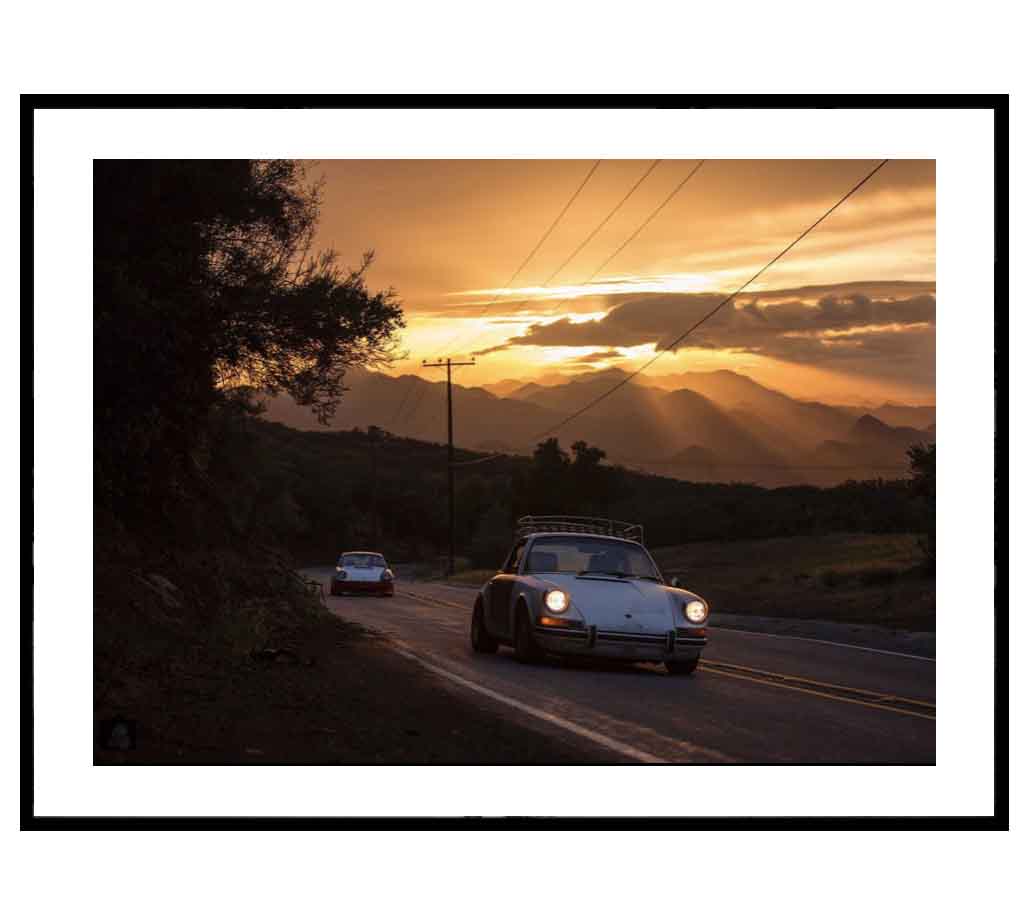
<point x="385" y="588"/>
<point x="677" y="645"/>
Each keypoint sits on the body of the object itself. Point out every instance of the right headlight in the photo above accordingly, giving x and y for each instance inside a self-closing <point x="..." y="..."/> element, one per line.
<point x="696" y="611"/>
<point x="556" y="601"/>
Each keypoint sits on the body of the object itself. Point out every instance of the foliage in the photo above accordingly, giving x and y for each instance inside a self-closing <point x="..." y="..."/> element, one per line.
<point x="555" y="483"/>
<point x="204" y="277"/>
<point x="923" y="464"/>
<point x="330" y="475"/>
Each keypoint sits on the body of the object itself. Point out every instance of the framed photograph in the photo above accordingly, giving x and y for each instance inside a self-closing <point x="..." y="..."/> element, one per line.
<point x="454" y="462"/>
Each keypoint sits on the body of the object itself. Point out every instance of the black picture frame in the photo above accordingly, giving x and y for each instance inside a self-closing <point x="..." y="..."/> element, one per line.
<point x="997" y="104"/>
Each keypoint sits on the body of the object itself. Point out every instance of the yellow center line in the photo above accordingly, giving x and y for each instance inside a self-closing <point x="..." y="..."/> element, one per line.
<point x="432" y="600"/>
<point x="830" y="696"/>
<point x="877" y="694"/>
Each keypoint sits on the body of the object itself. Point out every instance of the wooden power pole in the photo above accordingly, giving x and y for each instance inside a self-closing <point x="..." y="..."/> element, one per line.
<point x="448" y="363"/>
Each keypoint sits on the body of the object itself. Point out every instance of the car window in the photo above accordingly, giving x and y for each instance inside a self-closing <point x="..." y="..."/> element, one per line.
<point x="363" y="560"/>
<point x="512" y="565"/>
<point x="590" y="554"/>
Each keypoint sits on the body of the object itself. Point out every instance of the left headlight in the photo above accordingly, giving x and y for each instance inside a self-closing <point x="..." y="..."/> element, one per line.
<point x="696" y="611"/>
<point x="556" y="601"/>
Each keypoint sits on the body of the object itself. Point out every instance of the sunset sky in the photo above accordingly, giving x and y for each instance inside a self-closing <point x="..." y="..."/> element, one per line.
<point x="848" y="315"/>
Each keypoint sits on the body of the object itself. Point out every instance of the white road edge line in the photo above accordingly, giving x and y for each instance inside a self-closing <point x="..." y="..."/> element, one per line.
<point x="859" y="648"/>
<point x="596" y="737"/>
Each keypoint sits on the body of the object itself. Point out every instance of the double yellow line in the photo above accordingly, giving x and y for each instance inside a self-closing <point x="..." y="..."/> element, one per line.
<point x="426" y="598"/>
<point x="872" y="699"/>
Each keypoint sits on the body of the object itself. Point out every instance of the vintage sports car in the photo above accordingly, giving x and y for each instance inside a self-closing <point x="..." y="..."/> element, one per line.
<point x="587" y="586"/>
<point x="362" y="573"/>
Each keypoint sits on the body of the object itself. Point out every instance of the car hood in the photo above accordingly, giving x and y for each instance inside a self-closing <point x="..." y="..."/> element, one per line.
<point x="630" y="605"/>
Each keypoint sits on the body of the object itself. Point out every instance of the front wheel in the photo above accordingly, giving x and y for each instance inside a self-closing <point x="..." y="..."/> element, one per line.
<point x="526" y="649"/>
<point x="482" y="641"/>
<point x="682" y="667"/>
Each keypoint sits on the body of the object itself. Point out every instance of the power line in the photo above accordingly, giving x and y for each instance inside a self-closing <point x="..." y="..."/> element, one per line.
<point x="557" y="220"/>
<point x="607" y="261"/>
<point x="585" y="242"/>
<point x="603" y="223"/>
<point x="678" y="188"/>
<point x="593" y="233"/>
<point x="404" y="399"/>
<point x="704" y="319"/>
<point x="508" y="284"/>
<point x="415" y="405"/>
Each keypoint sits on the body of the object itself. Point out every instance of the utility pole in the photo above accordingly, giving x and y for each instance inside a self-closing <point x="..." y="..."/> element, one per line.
<point x="448" y="363"/>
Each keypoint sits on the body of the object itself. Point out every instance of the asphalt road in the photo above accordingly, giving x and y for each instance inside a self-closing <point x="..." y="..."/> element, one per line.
<point x="755" y="698"/>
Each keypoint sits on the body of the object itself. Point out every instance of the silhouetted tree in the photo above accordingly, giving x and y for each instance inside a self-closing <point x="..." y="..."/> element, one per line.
<point x="594" y="484"/>
<point x="205" y="278"/>
<point x="548" y="483"/>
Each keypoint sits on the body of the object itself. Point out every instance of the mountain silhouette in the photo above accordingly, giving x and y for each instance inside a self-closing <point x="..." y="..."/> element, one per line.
<point x="720" y="425"/>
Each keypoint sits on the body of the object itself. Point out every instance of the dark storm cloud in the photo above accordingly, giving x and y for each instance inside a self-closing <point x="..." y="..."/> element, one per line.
<point x="831" y="328"/>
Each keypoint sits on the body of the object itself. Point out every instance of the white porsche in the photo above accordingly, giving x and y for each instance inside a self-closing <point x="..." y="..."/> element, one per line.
<point x="362" y="573"/>
<point x="587" y="586"/>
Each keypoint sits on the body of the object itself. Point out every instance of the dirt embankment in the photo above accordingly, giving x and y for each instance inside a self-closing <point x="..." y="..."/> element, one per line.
<point x="317" y="691"/>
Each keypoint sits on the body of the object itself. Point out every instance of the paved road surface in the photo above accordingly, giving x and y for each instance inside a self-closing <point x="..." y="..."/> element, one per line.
<point x="754" y="699"/>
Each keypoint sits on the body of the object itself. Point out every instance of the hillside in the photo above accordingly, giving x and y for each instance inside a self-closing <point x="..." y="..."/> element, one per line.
<point x="319" y="491"/>
<point x="752" y="432"/>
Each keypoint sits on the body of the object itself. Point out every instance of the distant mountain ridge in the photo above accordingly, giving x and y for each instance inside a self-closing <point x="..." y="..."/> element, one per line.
<point x="720" y="425"/>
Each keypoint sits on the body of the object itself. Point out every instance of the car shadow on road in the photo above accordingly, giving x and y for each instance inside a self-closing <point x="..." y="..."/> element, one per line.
<point x="596" y="665"/>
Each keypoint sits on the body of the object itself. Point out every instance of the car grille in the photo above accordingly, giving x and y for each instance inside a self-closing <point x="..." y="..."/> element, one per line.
<point x="633" y="638"/>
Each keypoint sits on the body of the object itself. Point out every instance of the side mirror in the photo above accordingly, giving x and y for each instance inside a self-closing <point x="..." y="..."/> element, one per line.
<point x="675" y="582"/>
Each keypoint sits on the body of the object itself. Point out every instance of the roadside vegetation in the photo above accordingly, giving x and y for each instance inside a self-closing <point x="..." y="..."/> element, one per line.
<point x="206" y="287"/>
<point x="881" y="579"/>
<point x="329" y="490"/>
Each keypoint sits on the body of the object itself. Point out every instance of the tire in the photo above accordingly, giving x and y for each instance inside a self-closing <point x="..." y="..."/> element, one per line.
<point x="481" y="640"/>
<point x="682" y="667"/>
<point x="526" y="649"/>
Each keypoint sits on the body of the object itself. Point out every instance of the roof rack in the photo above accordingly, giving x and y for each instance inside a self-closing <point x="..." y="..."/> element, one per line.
<point x="560" y="523"/>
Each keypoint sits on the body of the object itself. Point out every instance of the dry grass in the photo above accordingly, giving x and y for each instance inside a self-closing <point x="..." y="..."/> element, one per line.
<point x="858" y="578"/>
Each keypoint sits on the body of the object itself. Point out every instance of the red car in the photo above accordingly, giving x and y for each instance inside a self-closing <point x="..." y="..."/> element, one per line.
<point x="362" y="573"/>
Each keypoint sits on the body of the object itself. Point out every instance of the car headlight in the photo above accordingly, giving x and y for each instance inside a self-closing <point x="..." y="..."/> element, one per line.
<point x="556" y="601"/>
<point x="387" y="575"/>
<point x="696" y="611"/>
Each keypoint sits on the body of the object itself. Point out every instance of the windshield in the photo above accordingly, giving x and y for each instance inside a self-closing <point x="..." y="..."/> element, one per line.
<point x="363" y="560"/>
<point x="590" y="555"/>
